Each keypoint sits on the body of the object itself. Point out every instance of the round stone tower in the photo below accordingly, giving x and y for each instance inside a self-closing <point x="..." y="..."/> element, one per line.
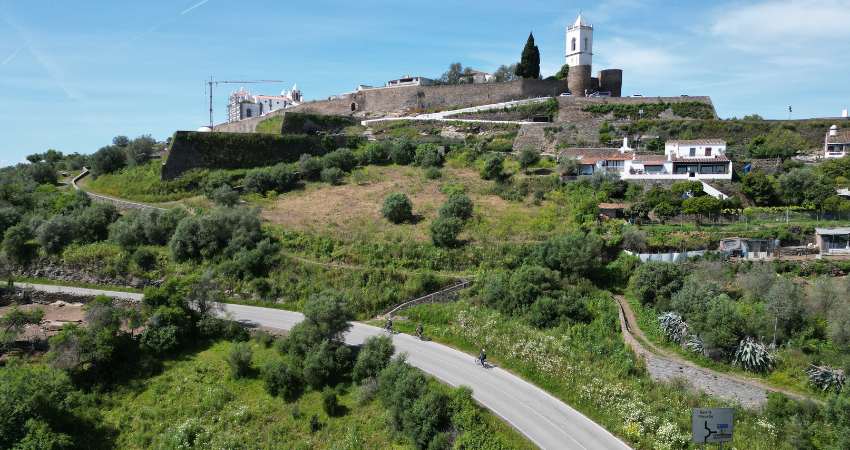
<point x="578" y="81"/>
<point x="611" y="80"/>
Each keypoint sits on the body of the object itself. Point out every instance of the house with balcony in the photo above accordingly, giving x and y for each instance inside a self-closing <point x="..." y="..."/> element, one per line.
<point x="703" y="159"/>
<point x="837" y="143"/>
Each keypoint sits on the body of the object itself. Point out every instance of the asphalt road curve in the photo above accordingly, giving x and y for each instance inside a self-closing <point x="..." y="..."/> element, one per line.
<point x="544" y="420"/>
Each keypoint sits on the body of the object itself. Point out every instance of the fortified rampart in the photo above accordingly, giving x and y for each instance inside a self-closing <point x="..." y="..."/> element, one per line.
<point x="425" y="97"/>
<point x="197" y="150"/>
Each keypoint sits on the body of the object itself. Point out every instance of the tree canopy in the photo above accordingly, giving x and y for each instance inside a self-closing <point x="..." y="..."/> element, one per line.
<point x="529" y="65"/>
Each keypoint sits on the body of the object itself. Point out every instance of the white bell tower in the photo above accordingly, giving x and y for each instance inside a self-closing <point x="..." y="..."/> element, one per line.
<point x="580" y="43"/>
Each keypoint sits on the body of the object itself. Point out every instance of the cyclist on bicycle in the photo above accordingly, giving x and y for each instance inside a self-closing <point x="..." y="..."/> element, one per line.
<point x="419" y="330"/>
<point x="390" y="324"/>
<point x="483" y="357"/>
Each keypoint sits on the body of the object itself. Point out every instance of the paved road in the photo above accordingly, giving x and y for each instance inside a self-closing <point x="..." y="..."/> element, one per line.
<point x="80" y="291"/>
<point x="544" y="420"/>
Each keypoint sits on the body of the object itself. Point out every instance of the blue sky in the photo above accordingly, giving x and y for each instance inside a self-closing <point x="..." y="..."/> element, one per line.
<point x="75" y="74"/>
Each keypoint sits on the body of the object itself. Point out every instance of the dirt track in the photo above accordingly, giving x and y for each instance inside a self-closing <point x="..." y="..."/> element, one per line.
<point x="666" y="366"/>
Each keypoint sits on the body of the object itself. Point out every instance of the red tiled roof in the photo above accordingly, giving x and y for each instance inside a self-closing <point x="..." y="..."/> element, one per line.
<point x="842" y="137"/>
<point x="699" y="142"/>
<point x="653" y="164"/>
<point x="613" y="205"/>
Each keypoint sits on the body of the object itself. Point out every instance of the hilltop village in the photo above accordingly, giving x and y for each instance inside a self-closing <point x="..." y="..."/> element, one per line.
<point x="477" y="260"/>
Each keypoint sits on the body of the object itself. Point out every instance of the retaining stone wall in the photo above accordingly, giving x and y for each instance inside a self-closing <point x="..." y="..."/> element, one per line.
<point x="92" y="272"/>
<point x="120" y="204"/>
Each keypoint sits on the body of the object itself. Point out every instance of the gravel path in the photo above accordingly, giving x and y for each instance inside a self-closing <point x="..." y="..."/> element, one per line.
<point x="665" y="366"/>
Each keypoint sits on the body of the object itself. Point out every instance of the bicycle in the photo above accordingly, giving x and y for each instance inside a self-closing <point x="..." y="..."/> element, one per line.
<point x="388" y="329"/>
<point x="478" y="362"/>
<point x="418" y="335"/>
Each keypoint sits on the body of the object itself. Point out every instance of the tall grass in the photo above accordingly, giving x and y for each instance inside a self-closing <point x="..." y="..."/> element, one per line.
<point x="590" y="368"/>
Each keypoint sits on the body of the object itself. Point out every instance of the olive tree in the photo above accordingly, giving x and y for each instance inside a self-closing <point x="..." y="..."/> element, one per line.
<point x="397" y="208"/>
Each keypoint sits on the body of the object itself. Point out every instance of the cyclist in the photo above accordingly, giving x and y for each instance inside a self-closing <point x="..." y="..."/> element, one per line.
<point x="419" y="330"/>
<point x="483" y="358"/>
<point x="390" y="324"/>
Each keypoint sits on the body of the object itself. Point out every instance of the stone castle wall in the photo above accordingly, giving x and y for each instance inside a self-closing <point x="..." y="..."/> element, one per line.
<point x="413" y="97"/>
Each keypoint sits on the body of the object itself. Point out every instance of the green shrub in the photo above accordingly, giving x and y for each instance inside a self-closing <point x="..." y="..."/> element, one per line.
<point x="215" y="180"/>
<point x="572" y="253"/>
<point x="56" y="233"/>
<point x="494" y="166"/>
<point x="341" y="158"/>
<point x="16" y="243"/>
<point x="528" y="157"/>
<point x="106" y="160"/>
<point x="451" y="188"/>
<point x="144" y="258"/>
<point x="308" y="167"/>
<point x="330" y="402"/>
<point x="547" y="312"/>
<point x="239" y="359"/>
<point x="332" y="175"/>
<point x="258" y="181"/>
<point x="445" y="230"/>
<point x="374" y="357"/>
<point x="397" y="208"/>
<point x="283" y="177"/>
<point x="433" y="173"/>
<point x="403" y="151"/>
<point x="281" y="379"/>
<point x="428" y="155"/>
<point x="374" y="153"/>
<point x="262" y="337"/>
<point x="224" y="196"/>
<point x="656" y="280"/>
<point x="320" y="364"/>
<point x="262" y="286"/>
<point x="459" y="206"/>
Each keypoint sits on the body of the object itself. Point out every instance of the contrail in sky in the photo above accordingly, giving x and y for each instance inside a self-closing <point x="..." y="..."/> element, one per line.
<point x="197" y="5"/>
<point x="163" y="23"/>
<point x="16" y="52"/>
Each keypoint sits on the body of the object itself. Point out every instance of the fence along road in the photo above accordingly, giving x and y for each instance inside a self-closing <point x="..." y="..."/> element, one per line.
<point x="546" y="421"/>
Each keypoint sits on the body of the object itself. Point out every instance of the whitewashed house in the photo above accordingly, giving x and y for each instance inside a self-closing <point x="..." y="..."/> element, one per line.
<point x="837" y="143"/>
<point x="244" y="105"/>
<point x="703" y="159"/>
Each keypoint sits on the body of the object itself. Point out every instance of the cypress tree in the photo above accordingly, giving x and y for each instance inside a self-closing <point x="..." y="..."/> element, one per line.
<point x="529" y="65"/>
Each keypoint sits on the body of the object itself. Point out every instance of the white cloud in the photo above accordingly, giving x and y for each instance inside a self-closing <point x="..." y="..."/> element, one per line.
<point x="811" y="27"/>
<point x="639" y="61"/>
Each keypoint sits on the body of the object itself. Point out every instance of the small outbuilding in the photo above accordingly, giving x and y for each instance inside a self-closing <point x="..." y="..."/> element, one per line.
<point x="746" y="247"/>
<point x="613" y="210"/>
<point x="833" y="241"/>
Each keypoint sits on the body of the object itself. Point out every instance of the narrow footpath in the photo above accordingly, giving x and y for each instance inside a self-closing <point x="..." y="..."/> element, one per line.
<point x="665" y="366"/>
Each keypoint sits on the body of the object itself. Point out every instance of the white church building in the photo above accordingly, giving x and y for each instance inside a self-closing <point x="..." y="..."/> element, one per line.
<point x="580" y="43"/>
<point x="244" y="105"/>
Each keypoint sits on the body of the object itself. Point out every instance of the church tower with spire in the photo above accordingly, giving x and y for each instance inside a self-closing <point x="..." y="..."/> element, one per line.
<point x="580" y="43"/>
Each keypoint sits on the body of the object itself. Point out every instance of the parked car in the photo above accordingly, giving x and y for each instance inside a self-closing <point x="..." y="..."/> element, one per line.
<point x="684" y="95"/>
<point x="566" y="94"/>
<point x="635" y="95"/>
<point x="600" y="94"/>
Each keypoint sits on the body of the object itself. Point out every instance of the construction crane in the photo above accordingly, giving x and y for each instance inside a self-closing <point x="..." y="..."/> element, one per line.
<point x="210" y="84"/>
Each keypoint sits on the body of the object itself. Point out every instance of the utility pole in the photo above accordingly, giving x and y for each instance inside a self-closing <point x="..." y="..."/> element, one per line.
<point x="210" y="84"/>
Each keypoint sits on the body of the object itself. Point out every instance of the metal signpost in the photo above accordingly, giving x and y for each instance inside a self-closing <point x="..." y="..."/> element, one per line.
<point x="712" y="425"/>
